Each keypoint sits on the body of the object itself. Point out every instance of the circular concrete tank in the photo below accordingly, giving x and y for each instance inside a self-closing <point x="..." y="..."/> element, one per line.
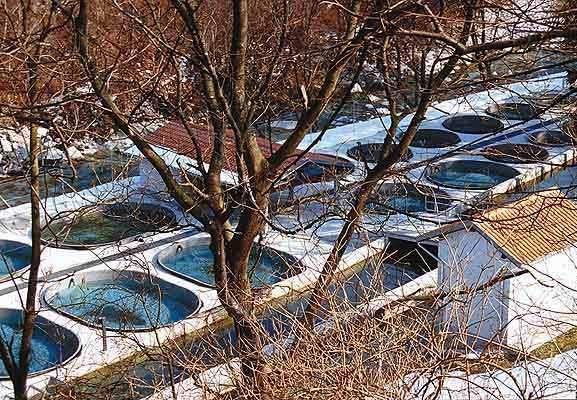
<point x="193" y="261"/>
<point x="434" y="138"/>
<point x="15" y="257"/>
<point x="474" y="124"/>
<point x="515" y="153"/>
<point x="122" y="301"/>
<point x="469" y="174"/>
<point x="371" y="153"/>
<point x="515" y="111"/>
<point x="52" y="344"/>
<point x="551" y="138"/>
<point x="407" y="199"/>
<point x="107" y="225"/>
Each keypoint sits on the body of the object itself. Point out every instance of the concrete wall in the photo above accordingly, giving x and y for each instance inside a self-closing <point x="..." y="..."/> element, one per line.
<point x="469" y="261"/>
<point x="565" y="180"/>
<point x="375" y="279"/>
<point x="522" y="312"/>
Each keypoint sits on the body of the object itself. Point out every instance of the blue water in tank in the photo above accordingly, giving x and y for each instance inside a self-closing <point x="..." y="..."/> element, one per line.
<point x="51" y="344"/>
<point x="196" y="262"/>
<point x="14" y="256"/>
<point x="470" y="174"/>
<point x="125" y="303"/>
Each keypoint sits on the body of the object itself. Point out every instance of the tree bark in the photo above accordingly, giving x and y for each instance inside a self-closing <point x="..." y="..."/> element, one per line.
<point x="21" y="377"/>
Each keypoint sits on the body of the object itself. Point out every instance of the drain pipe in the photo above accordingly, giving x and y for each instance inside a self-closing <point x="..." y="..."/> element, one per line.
<point x="104" y="338"/>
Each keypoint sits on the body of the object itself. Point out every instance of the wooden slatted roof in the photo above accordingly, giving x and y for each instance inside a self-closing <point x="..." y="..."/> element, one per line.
<point x="529" y="229"/>
<point x="526" y="230"/>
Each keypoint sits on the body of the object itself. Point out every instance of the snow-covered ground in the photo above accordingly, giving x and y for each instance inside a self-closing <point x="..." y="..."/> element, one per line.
<point x="550" y="379"/>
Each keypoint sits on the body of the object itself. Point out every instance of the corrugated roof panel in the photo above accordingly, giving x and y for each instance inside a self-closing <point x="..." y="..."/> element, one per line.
<point x="174" y="136"/>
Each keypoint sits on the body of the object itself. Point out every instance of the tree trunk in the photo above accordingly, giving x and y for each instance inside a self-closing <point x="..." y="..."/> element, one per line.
<point x="21" y="377"/>
<point x="253" y="365"/>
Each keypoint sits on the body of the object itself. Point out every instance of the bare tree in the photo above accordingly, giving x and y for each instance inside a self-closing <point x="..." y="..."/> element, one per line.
<point x="231" y="101"/>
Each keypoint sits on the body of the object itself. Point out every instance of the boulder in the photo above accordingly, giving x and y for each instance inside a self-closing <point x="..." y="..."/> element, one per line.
<point x="52" y="156"/>
<point x="13" y="167"/>
<point x="357" y="88"/>
<point x="118" y="145"/>
<point x="21" y="152"/>
<point x="42" y="131"/>
<point x="20" y="137"/>
<point x="6" y="145"/>
<point x="90" y="151"/>
<point x="47" y="142"/>
<point x="89" y="148"/>
<point x="75" y="154"/>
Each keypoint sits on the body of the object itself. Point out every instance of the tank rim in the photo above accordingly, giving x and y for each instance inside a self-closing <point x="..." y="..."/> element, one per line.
<point x="52" y="290"/>
<point x="72" y="246"/>
<point x="159" y="257"/>
<point x="71" y="357"/>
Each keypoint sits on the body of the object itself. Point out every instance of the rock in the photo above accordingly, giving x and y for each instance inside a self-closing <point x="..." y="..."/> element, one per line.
<point x="357" y="88"/>
<point x="86" y="147"/>
<point x="374" y="99"/>
<point x="90" y="148"/>
<point x="6" y="145"/>
<point x="90" y="151"/>
<point x="75" y="154"/>
<point x="48" y="142"/>
<point x="109" y="146"/>
<point x="13" y="168"/>
<point x="21" y="152"/>
<point x="118" y="145"/>
<point x="20" y="137"/>
<point x="52" y="156"/>
<point x="126" y="144"/>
